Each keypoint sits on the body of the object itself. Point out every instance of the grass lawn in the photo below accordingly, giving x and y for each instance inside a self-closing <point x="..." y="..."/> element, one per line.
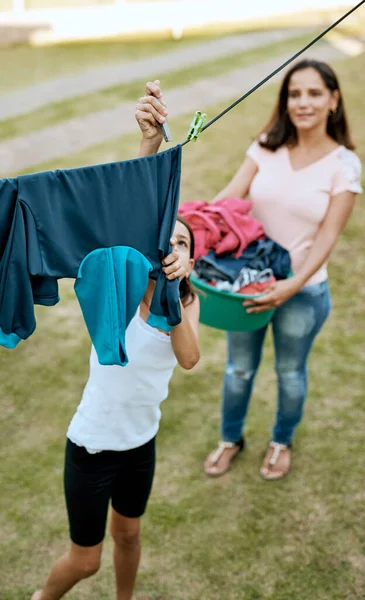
<point x="27" y="65"/>
<point x="111" y="97"/>
<point x="354" y="25"/>
<point x="234" y="538"/>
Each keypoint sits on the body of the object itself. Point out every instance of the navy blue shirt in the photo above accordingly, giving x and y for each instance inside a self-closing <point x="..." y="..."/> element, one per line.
<point x="51" y="222"/>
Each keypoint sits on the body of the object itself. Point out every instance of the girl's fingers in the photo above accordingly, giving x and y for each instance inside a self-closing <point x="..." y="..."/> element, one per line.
<point x="141" y="116"/>
<point x="170" y="258"/>
<point x="153" y="89"/>
<point x="155" y="103"/>
<point x="149" y="108"/>
<point x="172" y="267"/>
<point x="177" y="274"/>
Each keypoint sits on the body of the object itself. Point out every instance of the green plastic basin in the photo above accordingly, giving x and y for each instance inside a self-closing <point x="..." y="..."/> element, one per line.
<point x="223" y="310"/>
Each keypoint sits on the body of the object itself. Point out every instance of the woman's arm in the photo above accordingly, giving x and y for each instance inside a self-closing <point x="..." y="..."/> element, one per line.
<point x="338" y="213"/>
<point x="185" y="336"/>
<point x="150" y="113"/>
<point x="240" y="183"/>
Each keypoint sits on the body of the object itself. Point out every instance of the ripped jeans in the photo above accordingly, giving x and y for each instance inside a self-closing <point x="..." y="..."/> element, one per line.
<point x="295" y="325"/>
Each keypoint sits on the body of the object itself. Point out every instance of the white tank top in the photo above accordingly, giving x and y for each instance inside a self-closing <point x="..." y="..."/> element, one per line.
<point x="120" y="406"/>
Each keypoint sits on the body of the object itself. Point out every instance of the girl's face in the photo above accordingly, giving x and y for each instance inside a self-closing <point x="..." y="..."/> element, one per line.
<point x="182" y="235"/>
<point x="309" y="100"/>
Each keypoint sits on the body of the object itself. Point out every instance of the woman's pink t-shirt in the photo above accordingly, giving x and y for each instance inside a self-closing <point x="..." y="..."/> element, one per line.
<point x="291" y="204"/>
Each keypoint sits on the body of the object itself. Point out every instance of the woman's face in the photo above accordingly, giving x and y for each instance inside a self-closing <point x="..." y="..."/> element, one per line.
<point x="309" y="100"/>
<point x="182" y="235"/>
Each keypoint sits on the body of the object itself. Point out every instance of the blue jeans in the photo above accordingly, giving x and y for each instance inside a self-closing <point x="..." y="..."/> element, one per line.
<point x="295" y="325"/>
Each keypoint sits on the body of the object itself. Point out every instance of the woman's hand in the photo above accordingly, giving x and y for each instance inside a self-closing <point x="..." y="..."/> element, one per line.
<point x="274" y="296"/>
<point x="151" y="113"/>
<point x="173" y="268"/>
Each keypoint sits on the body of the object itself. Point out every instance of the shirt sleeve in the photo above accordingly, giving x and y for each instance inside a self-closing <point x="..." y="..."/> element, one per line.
<point x="254" y="152"/>
<point x="348" y="174"/>
<point x="17" y="319"/>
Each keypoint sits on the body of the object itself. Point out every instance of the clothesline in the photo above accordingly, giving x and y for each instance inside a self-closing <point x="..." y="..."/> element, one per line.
<point x="280" y="68"/>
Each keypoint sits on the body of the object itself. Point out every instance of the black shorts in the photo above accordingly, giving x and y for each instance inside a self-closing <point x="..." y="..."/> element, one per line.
<point x="92" y="480"/>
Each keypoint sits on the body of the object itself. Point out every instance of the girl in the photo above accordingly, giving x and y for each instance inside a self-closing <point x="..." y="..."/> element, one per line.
<point x="110" y="452"/>
<point x="302" y="177"/>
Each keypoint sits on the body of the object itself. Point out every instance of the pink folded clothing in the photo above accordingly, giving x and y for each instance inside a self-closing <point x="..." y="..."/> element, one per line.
<point x="207" y="234"/>
<point x="225" y="226"/>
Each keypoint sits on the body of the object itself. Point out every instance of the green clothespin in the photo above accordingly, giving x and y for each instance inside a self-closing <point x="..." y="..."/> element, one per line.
<point x="196" y="126"/>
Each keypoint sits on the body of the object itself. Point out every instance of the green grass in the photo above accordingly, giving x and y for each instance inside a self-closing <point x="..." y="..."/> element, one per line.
<point x="28" y="65"/>
<point x="111" y="97"/>
<point x="234" y="538"/>
<point x="354" y="25"/>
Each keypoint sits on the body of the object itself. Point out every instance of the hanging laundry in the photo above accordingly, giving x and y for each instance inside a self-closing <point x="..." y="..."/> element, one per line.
<point x="225" y="226"/>
<point x="107" y="226"/>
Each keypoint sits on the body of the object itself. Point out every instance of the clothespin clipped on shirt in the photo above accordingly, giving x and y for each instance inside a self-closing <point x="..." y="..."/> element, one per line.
<point x="196" y="126"/>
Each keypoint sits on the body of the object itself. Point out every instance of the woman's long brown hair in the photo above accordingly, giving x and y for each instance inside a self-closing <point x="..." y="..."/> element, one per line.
<point x="280" y="130"/>
<point x="187" y="291"/>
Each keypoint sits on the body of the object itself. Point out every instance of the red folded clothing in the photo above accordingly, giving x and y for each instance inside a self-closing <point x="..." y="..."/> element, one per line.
<point x="224" y="226"/>
<point x="256" y="287"/>
<point x="252" y="289"/>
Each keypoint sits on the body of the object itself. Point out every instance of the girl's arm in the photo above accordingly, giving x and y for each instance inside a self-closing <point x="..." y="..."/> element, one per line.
<point x="150" y="113"/>
<point x="185" y="336"/>
<point x="240" y="183"/>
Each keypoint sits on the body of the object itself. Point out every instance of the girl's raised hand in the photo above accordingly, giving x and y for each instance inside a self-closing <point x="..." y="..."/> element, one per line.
<point x="151" y="112"/>
<point x="173" y="268"/>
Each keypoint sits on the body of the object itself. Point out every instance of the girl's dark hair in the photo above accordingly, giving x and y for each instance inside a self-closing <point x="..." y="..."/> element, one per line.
<point x="280" y="130"/>
<point x="187" y="291"/>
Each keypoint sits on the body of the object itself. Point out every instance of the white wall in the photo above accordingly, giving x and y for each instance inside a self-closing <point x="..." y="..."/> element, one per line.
<point x="104" y="21"/>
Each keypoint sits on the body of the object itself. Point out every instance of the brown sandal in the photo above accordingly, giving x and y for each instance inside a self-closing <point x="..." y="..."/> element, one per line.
<point x="270" y="470"/>
<point x="215" y="457"/>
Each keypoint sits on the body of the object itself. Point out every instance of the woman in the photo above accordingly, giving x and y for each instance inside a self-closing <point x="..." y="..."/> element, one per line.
<point x="110" y="452"/>
<point x="302" y="177"/>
